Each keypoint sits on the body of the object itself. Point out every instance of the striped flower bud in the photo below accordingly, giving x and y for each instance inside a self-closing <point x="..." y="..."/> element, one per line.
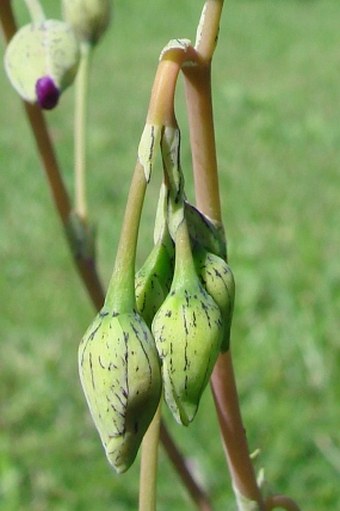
<point x="188" y="332"/>
<point x="218" y="280"/>
<point x="120" y="374"/>
<point x="153" y="281"/>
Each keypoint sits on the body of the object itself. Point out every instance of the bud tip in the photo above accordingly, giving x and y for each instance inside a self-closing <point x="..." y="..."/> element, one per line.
<point x="47" y="93"/>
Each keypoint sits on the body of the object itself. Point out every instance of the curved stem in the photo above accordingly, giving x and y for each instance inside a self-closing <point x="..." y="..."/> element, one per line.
<point x="202" y="139"/>
<point x="148" y="468"/>
<point x="232" y="430"/>
<point x="80" y="119"/>
<point x="281" y="501"/>
<point x="161" y="106"/>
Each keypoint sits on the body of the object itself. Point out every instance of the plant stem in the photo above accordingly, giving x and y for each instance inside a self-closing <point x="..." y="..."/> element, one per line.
<point x="199" y="104"/>
<point x="148" y="468"/>
<point x="80" y="120"/>
<point x="232" y="430"/>
<point x="85" y="266"/>
<point x="36" y="11"/>
<point x="121" y="291"/>
<point x="202" y="139"/>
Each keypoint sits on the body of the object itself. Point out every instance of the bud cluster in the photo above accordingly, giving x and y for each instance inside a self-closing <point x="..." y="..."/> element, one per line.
<point x="170" y="338"/>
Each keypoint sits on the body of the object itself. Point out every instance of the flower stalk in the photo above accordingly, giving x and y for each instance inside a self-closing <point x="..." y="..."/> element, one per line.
<point x="80" y="135"/>
<point x="148" y="466"/>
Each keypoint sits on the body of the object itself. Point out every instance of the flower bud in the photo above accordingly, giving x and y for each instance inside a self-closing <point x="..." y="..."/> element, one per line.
<point x="89" y="18"/>
<point x="153" y="282"/>
<point x="218" y="280"/>
<point x="41" y="60"/>
<point x="188" y="332"/>
<point x="120" y="374"/>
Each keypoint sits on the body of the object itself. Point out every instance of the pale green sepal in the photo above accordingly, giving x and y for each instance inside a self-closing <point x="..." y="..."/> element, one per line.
<point x="170" y="147"/>
<point x="147" y="149"/>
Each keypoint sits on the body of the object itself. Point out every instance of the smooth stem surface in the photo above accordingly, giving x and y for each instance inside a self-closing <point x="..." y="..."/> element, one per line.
<point x="36" y="11"/>
<point x="202" y="139"/>
<point x="80" y="124"/>
<point x="208" y="28"/>
<point x="121" y="292"/>
<point x="148" y="468"/>
<point x="232" y="430"/>
<point x="161" y="107"/>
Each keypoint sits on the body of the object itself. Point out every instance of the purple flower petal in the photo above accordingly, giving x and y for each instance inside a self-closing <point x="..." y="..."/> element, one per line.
<point x="47" y="93"/>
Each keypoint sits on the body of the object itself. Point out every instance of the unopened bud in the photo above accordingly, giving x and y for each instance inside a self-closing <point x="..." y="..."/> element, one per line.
<point x="89" y="18"/>
<point x="41" y="60"/>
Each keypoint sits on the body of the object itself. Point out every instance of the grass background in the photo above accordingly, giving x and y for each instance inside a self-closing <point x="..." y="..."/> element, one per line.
<point x="277" y="107"/>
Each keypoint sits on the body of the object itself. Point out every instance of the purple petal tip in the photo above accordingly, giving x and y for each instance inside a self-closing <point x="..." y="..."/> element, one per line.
<point x="47" y="93"/>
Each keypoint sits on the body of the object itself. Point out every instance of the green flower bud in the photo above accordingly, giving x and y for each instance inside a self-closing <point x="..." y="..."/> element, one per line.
<point x="120" y="374"/>
<point x="153" y="281"/>
<point x="218" y="280"/>
<point x="41" y="60"/>
<point x="188" y="332"/>
<point x="89" y="18"/>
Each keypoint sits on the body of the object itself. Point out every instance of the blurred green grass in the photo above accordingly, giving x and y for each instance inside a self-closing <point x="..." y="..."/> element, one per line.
<point x="277" y="108"/>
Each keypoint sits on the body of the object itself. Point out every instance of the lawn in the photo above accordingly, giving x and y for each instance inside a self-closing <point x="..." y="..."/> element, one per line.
<point x="277" y="108"/>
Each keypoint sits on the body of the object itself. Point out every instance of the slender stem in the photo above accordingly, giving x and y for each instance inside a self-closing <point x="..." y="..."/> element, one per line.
<point x="202" y="139"/>
<point x="199" y="104"/>
<point x="80" y="123"/>
<point x="121" y="291"/>
<point x="61" y="199"/>
<point x="36" y="11"/>
<point x="232" y="430"/>
<point x="148" y="468"/>
<point x="281" y="501"/>
<point x="161" y="106"/>
<point x="7" y="20"/>
<point x="208" y="28"/>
